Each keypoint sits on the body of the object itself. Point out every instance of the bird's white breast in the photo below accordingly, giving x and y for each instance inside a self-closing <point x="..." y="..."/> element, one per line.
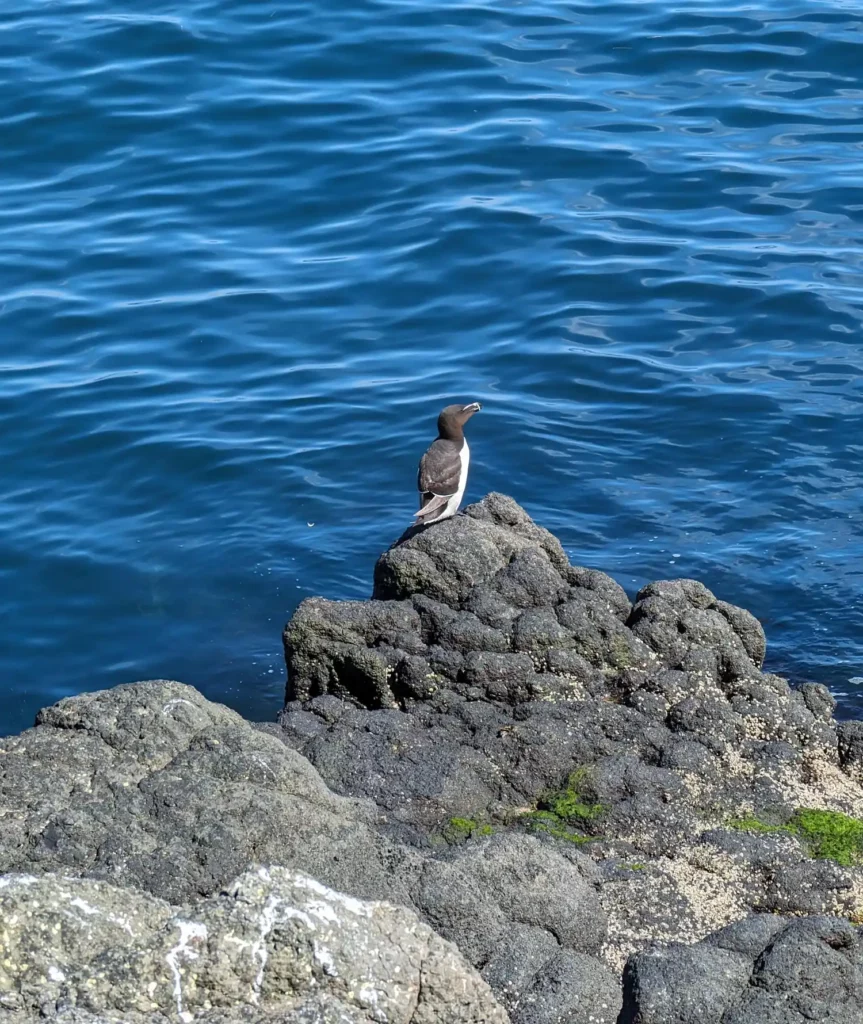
<point x="464" y="455"/>
<point x="454" y="502"/>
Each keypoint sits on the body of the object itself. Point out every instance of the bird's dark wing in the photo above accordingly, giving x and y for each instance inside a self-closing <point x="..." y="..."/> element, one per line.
<point x="438" y="477"/>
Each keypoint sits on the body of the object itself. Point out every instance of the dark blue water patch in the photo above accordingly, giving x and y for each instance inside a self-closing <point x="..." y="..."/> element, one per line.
<point x="239" y="240"/>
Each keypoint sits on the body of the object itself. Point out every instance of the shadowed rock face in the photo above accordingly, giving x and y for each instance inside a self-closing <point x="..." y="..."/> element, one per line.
<point x="761" y="970"/>
<point x="550" y="777"/>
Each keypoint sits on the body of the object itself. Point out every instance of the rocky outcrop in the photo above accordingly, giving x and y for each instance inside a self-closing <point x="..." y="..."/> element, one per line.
<point x="274" y="945"/>
<point x="558" y="781"/>
<point x="155" y="789"/>
<point x="490" y="682"/>
<point x="485" y="607"/>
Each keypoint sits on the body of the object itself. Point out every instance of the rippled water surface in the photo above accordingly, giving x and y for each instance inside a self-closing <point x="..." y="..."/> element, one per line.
<point x="248" y="250"/>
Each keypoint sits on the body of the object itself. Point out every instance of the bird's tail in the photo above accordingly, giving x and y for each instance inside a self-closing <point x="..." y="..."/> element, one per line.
<point x="436" y="504"/>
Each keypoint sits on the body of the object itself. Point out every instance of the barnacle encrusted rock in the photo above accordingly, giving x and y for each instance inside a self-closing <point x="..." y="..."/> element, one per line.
<point x="487" y="670"/>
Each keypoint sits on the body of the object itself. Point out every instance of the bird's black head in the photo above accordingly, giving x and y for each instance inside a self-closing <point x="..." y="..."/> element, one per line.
<point x="450" y="423"/>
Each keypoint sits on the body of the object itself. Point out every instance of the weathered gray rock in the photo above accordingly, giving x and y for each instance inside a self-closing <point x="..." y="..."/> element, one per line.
<point x="152" y="786"/>
<point x="488" y="583"/>
<point x="676" y="616"/>
<point x="683" y="984"/>
<point x="474" y="895"/>
<point x="850" y="737"/>
<point x="467" y="551"/>
<point x="273" y="941"/>
<point x="328" y="649"/>
<point x="523" y="952"/>
<point x="539" y="982"/>
<point x="570" y="988"/>
<point x="766" y="971"/>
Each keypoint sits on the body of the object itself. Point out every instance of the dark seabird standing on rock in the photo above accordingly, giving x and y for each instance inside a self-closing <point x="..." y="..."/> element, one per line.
<point x="443" y="469"/>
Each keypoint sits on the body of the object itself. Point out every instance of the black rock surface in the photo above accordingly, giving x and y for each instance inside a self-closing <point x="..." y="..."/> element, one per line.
<point x="760" y="970"/>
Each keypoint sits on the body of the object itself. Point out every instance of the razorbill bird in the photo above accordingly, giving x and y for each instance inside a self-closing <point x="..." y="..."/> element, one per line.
<point x="443" y="469"/>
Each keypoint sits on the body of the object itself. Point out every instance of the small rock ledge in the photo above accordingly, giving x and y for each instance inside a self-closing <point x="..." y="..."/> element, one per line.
<point x="498" y="790"/>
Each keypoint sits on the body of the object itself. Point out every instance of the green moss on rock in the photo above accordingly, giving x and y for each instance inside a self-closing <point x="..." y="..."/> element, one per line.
<point x="564" y="813"/>
<point x="749" y="823"/>
<point x="459" y="830"/>
<point x="550" y="824"/>
<point x="570" y="804"/>
<point x="828" y="835"/>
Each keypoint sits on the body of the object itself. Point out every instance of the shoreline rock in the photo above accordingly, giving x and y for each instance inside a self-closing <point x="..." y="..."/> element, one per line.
<point x="487" y="673"/>
<point x="606" y="806"/>
<point x="273" y="941"/>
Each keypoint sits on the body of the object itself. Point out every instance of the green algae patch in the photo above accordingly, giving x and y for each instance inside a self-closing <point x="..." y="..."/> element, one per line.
<point x="570" y="804"/>
<point x="459" y="830"/>
<point x="565" y="813"/>
<point x="549" y="824"/>
<point x="828" y="835"/>
<point x="750" y="823"/>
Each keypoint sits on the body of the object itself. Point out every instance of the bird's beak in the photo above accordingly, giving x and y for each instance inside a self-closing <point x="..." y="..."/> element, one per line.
<point x="473" y="407"/>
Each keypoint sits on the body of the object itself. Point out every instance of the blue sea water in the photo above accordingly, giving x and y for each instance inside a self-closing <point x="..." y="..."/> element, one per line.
<point x="249" y="249"/>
